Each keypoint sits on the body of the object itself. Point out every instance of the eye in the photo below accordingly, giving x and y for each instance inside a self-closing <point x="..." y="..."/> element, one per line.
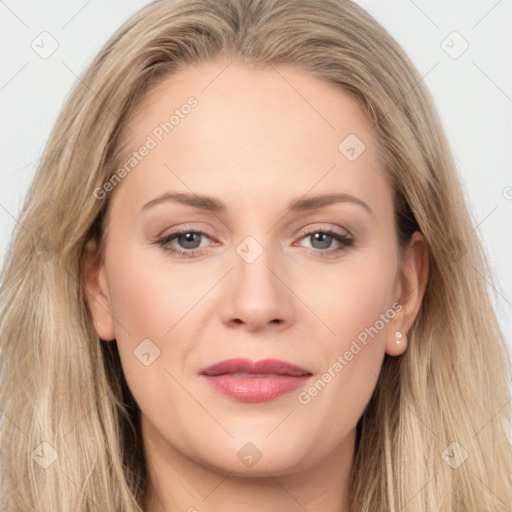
<point x="321" y="240"/>
<point x="188" y="241"/>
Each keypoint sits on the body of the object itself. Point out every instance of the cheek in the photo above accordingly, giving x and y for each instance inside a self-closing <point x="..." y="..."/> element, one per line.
<point x="357" y="309"/>
<point x="148" y="300"/>
<point x="150" y="305"/>
<point x="352" y="297"/>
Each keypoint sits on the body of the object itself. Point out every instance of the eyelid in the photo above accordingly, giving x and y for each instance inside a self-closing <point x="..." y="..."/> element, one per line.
<point x="183" y="229"/>
<point x="322" y="227"/>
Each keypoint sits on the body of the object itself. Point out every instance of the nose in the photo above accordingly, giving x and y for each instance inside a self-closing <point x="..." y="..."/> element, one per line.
<point x="256" y="296"/>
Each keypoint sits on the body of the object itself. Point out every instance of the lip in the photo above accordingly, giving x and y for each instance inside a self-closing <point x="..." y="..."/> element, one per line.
<point x="255" y="381"/>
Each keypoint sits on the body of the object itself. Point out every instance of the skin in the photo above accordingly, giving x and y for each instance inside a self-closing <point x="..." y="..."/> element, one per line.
<point x="255" y="143"/>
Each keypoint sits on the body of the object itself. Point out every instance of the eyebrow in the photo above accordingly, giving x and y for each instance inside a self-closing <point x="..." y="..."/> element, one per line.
<point x="214" y="205"/>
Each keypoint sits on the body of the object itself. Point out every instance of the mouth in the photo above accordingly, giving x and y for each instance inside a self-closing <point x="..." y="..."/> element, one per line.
<point x="255" y="381"/>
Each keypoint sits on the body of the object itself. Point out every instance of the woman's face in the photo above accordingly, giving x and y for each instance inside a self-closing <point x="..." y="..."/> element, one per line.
<point x="287" y="252"/>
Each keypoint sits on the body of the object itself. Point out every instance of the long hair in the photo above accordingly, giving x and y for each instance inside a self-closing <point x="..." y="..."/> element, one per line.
<point x="434" y="436"/>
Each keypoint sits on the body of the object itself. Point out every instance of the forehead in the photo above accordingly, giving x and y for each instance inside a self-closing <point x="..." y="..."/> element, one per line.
<point x="228" y="129"/>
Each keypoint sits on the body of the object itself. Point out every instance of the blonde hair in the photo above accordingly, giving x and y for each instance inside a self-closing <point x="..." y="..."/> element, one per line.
<point x="63" y="386"/>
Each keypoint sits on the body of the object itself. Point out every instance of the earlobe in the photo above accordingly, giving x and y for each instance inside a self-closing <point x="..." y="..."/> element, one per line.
<point x="396" y="344"/>
<point x="411" y="283"/>
<point x="97" y="294"/>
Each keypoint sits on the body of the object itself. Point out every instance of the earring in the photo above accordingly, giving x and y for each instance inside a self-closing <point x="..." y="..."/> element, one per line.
<point x="398" y="337"/>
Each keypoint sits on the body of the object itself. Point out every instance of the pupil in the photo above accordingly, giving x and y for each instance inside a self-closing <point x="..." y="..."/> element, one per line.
<point x="188" y="239"/>
<point x="322" y="237"/>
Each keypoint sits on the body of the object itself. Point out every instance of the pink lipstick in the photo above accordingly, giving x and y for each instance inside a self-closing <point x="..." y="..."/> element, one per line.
<point x="255" y="381"/>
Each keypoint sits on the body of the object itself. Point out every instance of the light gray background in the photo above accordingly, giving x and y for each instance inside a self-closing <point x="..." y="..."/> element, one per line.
<point x="473" y="93"/>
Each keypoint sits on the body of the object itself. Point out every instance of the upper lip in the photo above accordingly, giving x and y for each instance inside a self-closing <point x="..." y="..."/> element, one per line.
<point x="242" y="365"/>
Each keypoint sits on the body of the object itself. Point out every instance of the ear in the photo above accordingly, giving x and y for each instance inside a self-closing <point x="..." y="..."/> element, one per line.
<point x="410" y="285"/>
<point x="96" y="293"/>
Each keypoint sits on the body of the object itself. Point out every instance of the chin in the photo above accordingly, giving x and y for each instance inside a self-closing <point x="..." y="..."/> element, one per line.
<point x="259" y="457"/>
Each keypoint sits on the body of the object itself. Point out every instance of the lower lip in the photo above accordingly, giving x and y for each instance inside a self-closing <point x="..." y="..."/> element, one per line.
<point x="255" y="389"/>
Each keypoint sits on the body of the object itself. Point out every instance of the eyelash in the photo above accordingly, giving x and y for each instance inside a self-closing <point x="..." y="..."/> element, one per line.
<point x="164" y="241"/>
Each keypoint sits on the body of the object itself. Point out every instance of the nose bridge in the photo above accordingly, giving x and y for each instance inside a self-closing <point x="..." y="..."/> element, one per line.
<point x="253" y="275"/>
<point x="256" y="293"/>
